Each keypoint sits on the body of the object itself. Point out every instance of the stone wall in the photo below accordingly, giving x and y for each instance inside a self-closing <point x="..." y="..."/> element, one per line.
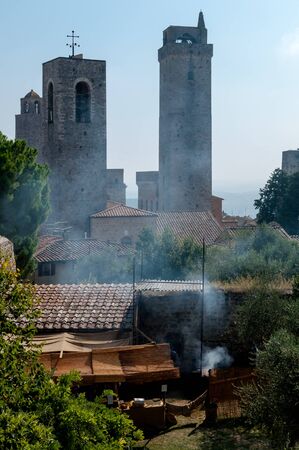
<point x="176" y="318"/>
<point x="120" y="229"/>
<point x="7" y="252"/>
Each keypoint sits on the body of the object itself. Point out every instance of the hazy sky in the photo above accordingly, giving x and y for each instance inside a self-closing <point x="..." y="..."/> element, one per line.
<point x="255" y="81"/>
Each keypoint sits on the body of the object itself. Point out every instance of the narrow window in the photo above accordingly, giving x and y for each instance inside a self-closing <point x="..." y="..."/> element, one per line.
<point x="141" y="203"/>
<point x="152" y="205"/>
<point x="50" y="103"/>
<point x="46" y="269"/>
<point x="146" y="205"/>
<point x="82" y="102"/>
<point x="26" y="107"/>
<point x="36" y="107"/>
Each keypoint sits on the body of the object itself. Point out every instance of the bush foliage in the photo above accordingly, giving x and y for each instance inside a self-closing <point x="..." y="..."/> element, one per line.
<point x="35" y="412"/>
<point x="24" y="199"/>
<point x="262" y="253"/>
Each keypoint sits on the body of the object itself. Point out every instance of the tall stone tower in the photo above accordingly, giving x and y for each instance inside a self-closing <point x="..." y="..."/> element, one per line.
<point x="74" y="138"/>
<point x="185" y="119"/>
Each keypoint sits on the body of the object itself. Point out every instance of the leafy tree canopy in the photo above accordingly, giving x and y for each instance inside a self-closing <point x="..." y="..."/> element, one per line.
<point x="35" y="412"/>
<point x="24" y="198"/>
<point x="166" y="257"/>
<point x="278" y="201"/>
<point x="260" y="253"/>
<point x="273" y="401"/>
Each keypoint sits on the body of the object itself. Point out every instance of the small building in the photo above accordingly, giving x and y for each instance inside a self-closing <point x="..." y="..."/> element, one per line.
<point x="123" y="224"/>
<point x="59" y="258"/>
<point x="89" y="328"/>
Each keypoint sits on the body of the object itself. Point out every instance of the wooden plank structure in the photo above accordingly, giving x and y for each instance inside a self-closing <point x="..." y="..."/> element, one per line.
<point x="222" y="389"/>
<point x="131" y="363"/>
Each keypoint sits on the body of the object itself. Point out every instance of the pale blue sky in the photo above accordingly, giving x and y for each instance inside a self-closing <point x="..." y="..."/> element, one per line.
<point x="255" y="74"/>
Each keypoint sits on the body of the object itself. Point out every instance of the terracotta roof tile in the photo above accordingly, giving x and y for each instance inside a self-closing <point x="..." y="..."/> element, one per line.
<point x="70" y="250"/>
<point x="191" y="224"/>
<point x="120" y="210"/>
<point x="90" y="306"/>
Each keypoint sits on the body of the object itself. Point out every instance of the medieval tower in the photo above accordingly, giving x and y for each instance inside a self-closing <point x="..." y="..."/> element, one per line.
<point x="74" y="130"/>
<point x="185" y="119"/>
<point x="185" y="124"/>
<point x="68" y="127"/>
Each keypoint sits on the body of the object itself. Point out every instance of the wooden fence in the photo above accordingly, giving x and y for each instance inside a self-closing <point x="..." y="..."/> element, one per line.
<point x="222" y="389"/>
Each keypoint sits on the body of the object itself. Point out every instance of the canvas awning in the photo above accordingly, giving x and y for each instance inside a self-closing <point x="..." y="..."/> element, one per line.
<point x="80" y="342"/>
<point x="132" y="363"/>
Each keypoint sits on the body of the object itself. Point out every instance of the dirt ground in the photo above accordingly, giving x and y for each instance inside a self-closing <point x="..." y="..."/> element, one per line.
<point x="189" y="433"/>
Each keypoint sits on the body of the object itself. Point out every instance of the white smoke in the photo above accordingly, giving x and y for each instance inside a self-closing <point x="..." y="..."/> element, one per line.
<point x="217" y="357"/>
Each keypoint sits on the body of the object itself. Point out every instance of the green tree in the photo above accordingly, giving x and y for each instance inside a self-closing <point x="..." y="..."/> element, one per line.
<point x="272" y="403"/>
<point x="260" y="253"/>
<point x="261" y="313"/>
<point x="167" y="257"/>
<point x="24" y="198"/>
<point x="278" y="201"/>
<point x="35" y="412"/>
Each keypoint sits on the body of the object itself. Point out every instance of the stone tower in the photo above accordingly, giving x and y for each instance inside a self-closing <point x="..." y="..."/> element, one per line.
<point x="29" y="122"/>
<point x="290" y="161"/>
<point x="185" y="119"/>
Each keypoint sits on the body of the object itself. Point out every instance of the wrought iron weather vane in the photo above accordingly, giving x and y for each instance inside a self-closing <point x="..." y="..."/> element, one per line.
<point x="73" y="44"/>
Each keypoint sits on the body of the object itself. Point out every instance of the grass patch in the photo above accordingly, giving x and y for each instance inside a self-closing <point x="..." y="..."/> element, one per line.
<point x="246" y="284"/>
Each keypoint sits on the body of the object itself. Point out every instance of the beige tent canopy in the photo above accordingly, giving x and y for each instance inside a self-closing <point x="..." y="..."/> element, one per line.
<point x="80" y="342"/>
<point x="132" y="363"/>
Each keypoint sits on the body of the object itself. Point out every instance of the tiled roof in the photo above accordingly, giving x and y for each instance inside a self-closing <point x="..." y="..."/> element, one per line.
<point x="191" y="224"/>
<point x="230" y="233"/>
<point x="169" y="286"/>
<point x="32" y="94"/>
<point x="120" y="210"/>
<point x="85" y="306"/>
<point x="71" y="250"/>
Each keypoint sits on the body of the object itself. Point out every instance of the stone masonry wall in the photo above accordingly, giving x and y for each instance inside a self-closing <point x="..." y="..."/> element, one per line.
<point x="176" y="318"/>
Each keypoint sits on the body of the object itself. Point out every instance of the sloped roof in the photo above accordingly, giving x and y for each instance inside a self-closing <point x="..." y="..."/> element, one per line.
<point x="231" y="233"/>
<point x="191" y="224"/>
<point x="85" y="307"/>
<point x="71" y="250"/>
<point x="120" y="210"/>
<point x="32" y="94"/>
<point x="132" y="363"/>
<point x="169" y="286"/>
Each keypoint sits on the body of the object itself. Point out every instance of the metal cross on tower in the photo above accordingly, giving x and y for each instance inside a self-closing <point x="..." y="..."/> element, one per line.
<point x="73" y="44"/>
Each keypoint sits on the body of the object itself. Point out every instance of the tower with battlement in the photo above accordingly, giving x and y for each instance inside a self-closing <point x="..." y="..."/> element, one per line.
<point x="185" y="124"/>
<point x="185" y="119"/>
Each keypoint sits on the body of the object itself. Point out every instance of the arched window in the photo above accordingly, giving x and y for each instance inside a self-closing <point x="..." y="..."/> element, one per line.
<point x="36" y="107"/>
<point x="50" y="103"/>
<point x="82" y="102"/>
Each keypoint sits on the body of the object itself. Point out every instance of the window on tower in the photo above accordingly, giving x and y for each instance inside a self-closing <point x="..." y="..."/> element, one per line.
<point x="82" y="102"/>
<point x="36" y="107"/>
<point x="50" y="103"/>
